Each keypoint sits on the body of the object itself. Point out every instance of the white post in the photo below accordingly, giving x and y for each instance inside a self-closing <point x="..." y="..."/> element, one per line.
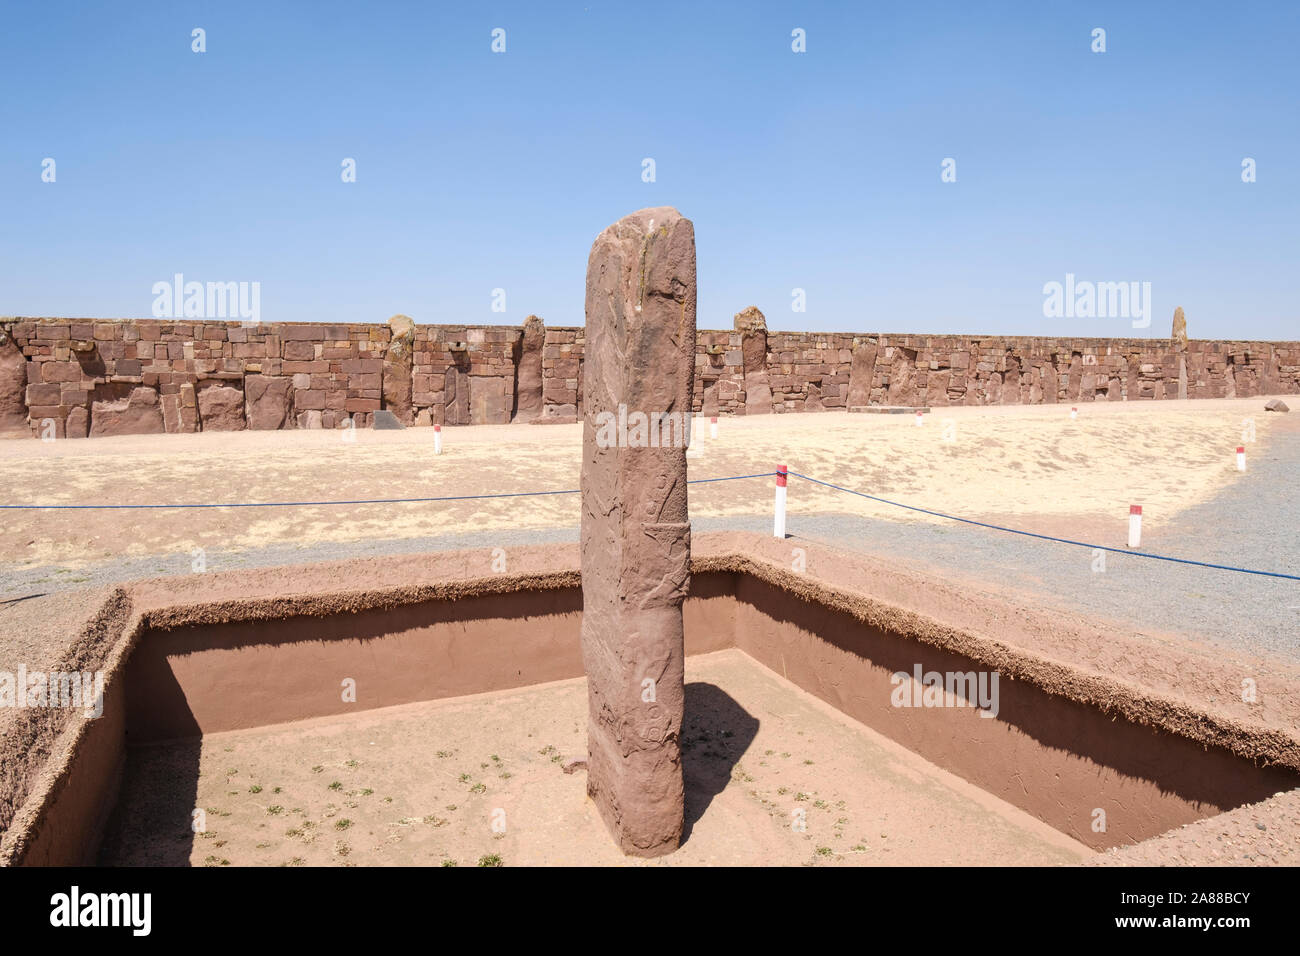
<point x="1074" y="413"/>
<point x="1135" y="526"/>
<point x="919" y="420"/>
<point x="778" y="528"/>
<point x="437" y="439"/>
<point x="1241" y="457"/>
<point x="713" y="427"/>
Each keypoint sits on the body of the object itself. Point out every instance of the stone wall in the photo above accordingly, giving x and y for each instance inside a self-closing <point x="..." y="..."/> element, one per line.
<point x="79" y="377"/>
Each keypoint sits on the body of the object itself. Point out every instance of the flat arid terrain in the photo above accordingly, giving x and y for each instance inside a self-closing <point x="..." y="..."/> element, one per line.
<point x="1030" y="464"/>
<point x="1030" y="468"/>
<point x="785" y="779"/>
<point x="761" y="741"/>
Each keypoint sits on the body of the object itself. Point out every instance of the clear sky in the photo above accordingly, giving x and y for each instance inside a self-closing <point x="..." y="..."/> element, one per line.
<point x="818" y="171"/>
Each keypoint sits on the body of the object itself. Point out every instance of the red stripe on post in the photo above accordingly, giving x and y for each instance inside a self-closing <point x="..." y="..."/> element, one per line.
<point x="437" y="428"/>
<point x="781" y="475"/>
<point x="1241" y="449"/>
<point x="1135" y="509"/>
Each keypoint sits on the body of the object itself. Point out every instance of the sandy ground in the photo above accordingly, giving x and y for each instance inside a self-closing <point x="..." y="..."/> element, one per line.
<point x="1259" y="834"/>
<point x="423" y="784"/>
<point x="1027" y="463"/>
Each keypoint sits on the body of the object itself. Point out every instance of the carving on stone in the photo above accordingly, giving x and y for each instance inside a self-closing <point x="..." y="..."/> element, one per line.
<point x="636" y="544"/>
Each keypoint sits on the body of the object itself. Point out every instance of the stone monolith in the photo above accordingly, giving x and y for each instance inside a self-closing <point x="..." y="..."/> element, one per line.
<point x="13" y="383"/>
<point x="1179" y="337"/>
<point x="636" y="535"/>
<point x="752" y="325"/>
<point x="397" y="368"/>
<point x="1178" y="334"/>
<point x="528" y="371"/>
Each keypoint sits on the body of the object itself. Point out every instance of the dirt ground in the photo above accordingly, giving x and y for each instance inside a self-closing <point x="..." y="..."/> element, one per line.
<point x="1030" y="462"/>
<point x="424" y="784"/>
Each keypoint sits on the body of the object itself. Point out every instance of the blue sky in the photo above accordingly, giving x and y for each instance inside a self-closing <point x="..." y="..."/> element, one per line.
<point x="818" y="171"/>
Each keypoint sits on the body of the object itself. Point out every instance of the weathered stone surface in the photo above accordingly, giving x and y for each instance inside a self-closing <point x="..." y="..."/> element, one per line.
<point x="77" y="424"/>
<point x="385" y="421"/>
<point x="339" y="370"/>
<point x="178" y="416"/>
<point x="1179" y="332"/>
<point x="861" y="372"/>
<point x="902" y="380"/>
<point x="1276" y="405"/>
<point x="221" y="408"/>
<point x="456" y="401"/>
<point x="268" y="400"/>
<point x="557" y="415"/>
<point x="750" y="321"/>
<point x="640" y="352"/>
<point x="490" y="399"/>
<point x="140" y="413"/>
<point x="528" y="381"/>
<point x="397" y="368"/>
<point x="753" y="357"/>
<point x="13" y="380"/>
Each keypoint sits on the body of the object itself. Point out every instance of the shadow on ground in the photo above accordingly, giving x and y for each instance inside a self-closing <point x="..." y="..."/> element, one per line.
<point x="716" y="734"/>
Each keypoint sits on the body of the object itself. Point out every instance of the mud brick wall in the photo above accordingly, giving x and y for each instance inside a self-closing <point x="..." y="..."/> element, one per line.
<point x="91" y="377"/>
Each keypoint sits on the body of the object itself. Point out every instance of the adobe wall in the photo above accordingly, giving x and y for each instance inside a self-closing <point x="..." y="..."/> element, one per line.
<point x="79" y="377"/>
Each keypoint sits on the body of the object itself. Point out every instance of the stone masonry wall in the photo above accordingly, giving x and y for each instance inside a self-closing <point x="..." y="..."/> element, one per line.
<point x="84" y="377"/>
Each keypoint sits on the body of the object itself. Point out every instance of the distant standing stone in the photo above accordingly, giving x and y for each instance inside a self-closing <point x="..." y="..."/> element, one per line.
<point x="1276" y="405"/>
<point x="1179" y="334"/>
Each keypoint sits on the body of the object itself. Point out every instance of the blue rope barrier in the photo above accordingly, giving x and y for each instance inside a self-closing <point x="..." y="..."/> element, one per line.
<point x="695" y="481"/>
<point x="354" y="501"/>
<point x="1048" y="537"/>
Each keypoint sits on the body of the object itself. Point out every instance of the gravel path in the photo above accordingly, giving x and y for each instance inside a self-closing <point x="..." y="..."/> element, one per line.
<point x="1252" y="523"/>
